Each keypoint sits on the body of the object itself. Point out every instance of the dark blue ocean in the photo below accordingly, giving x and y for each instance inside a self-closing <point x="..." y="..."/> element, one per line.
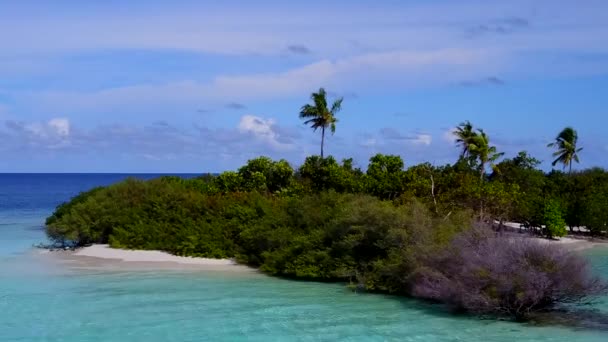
<point x="46" y="298"/>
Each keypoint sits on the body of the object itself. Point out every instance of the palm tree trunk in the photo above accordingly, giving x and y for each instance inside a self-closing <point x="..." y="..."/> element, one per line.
<point x="322" y="140"/>
<point x="570" y="170"/>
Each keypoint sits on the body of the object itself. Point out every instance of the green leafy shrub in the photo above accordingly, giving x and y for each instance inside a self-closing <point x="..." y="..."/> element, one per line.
<point x="382" y="230"/>
<point x="554" y="221"/>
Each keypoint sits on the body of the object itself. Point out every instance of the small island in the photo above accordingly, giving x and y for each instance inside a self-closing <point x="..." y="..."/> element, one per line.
<point x="439" y="233"/>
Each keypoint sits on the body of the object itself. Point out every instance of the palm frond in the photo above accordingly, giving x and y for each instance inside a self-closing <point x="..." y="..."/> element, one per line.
<point x="308" y="111"/>
<point x="336" y="106"/>
<point x="565" y="145"/>
<point x="320" y="100"/>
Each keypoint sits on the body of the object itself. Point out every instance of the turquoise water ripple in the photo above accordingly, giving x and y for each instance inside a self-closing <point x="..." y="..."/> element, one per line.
<point x="42" y="299"/>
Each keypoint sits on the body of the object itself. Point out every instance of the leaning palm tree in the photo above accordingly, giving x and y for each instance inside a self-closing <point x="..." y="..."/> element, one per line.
<point x="566" y="150"/>
<point x="487" y="155"/>
<point x="464" y="137"/>
<point x="318" y="115"/>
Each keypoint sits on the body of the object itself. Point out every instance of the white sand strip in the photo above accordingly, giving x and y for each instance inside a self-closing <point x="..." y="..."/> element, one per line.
<point x="572" y="243"/>
<point x="105" y="252"/>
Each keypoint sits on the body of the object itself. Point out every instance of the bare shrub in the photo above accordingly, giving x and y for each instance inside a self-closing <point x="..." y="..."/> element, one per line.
<point x="485" y="274"/>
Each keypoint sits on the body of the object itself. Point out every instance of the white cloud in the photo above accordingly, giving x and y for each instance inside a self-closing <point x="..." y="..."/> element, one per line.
<point x="57" y="128"/>
<point x="360" y="48"/>
<point x="54" y="134"/>
<point x="427" y="66"/>
<point x="258" y="126"/>
<point x="252" y="135"/>
<point x="414" y="147"/>
<point x="263" y="130"/>
<point x="60" y="126"/>
<point x="448" y="135"/>
<point x="406" y="68"/>
<point x="370" y="142"/>
<point x="390" y="135"/>
<point x="269" y="30"/>
<point x="422" y="139"/>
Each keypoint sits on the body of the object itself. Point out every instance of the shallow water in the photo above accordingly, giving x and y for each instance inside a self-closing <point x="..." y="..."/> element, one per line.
<point x="43" y="299"/>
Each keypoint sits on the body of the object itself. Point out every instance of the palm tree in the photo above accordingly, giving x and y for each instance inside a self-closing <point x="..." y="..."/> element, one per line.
<point x="480" y="148"/>
<point x="464" y="137"/>
<point x="565" y="145"/>
<point x="318" y="115"/>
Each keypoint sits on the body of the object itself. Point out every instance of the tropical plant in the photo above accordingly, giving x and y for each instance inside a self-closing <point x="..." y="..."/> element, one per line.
<point x="263" y="173"/>
<point x="566" y="149"/>
<point x="554" y="221"/>
<point x="319" y="174"/>
<point x="464" y="137"/>
<point x="522" y="171"/>
<point x="479" y="147"/>
<point x="322" y="224"/>
<point x="385" y="175"/>
<point x="319" y="115"/>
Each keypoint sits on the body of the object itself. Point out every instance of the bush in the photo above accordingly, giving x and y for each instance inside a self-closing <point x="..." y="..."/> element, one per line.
<point x="326" y="236"/>
<point x="319" y="224"/>
<point x="266" y="175"/>
<point x="323" y="174"/>
<point x="595" y="212"/>
<point x="483" y="274"/>
<point x="554" y="221"/>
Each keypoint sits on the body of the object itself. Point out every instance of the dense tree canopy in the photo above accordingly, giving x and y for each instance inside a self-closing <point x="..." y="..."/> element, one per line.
<point x="389" y="229"/>
<point x="412" y="231"/>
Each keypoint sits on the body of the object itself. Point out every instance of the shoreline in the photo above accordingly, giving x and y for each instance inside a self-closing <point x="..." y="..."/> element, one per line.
<point x="103" y="256"/>
<point x="571" y="242"/>
<point x="130" y="255"/>
<point x="574" y="244"/>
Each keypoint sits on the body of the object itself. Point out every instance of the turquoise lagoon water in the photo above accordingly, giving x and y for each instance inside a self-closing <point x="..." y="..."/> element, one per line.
<point x="44" y="300"/>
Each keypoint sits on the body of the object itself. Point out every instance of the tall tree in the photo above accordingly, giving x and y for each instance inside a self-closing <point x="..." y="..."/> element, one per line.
<point x="566" y="149"/>
<point x="464" y="137"/>
<point x="487" y="155"/>
<point x="319" y="115"/>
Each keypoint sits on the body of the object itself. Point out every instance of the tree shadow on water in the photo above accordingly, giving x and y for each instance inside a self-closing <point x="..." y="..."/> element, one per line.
<point x="578" y="318"/>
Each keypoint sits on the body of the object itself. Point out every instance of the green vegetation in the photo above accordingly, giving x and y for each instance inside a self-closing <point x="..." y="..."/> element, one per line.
<point x="318" y="115"/>
<point x="555" y="224"/>
<point x="387" y="228"/>
<point x="567" y="151"/>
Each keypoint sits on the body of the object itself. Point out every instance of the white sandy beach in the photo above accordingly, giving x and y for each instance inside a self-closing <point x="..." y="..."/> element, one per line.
<point x="105" y="252"/>
<point x="105" y="257"/>
<point x="573" y="244"/>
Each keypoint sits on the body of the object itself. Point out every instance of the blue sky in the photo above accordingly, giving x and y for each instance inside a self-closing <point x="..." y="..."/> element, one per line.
<point x="202" y="86"/>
